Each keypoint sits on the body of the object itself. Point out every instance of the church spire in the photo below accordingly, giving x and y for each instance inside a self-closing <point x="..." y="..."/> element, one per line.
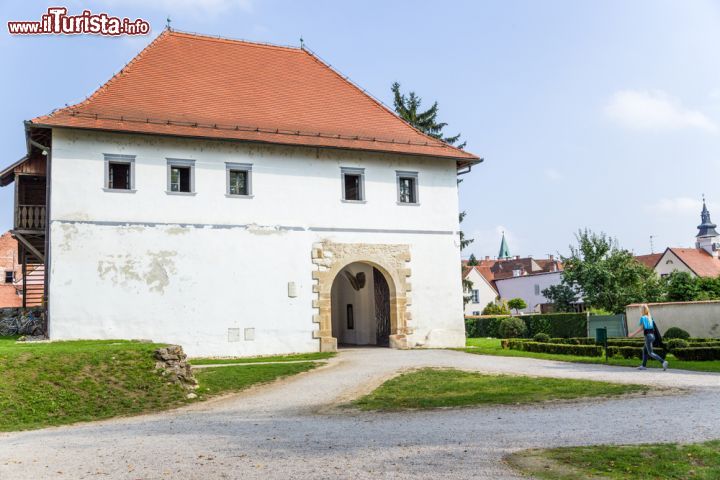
<point x="504" y="250"/>
<point x="706" y="228"/>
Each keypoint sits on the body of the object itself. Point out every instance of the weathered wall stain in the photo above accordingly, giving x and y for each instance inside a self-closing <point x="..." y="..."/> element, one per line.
<point x="153" y="269"/>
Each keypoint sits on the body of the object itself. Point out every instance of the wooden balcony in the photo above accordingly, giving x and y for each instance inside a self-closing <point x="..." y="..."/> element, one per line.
<point x="30" y="218"/>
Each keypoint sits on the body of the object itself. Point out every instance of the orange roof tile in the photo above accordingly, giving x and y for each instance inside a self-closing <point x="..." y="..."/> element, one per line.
<point x="649" y="260"/>
<point x="199" y="86"/>
<point x="699" y="261"/>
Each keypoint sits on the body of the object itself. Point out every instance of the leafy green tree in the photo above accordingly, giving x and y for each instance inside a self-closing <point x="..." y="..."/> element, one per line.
<point x="708" y="288"/>
<point x="681" y="287"/>
<point x="493" y="308"/>
<point x="562" y="297"/>
<point x="472" y="261"/>
<point x="517" y="304"/>
<point x="608" y="276"/>
<point x="408" y="108"/>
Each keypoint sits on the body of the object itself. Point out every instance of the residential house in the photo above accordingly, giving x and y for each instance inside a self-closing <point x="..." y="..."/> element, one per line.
<point x="240" y="199"/>
<point x="701" y="261"/>
<point x="482" y="292"/>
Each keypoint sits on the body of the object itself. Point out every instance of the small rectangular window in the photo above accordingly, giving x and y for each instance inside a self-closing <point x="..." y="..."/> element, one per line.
<point x="476" y="296"/>
<point x="120" y="172"/>
<point x="350" y="319"/>
<point x="407" y="187"/>
<point x="9" y="276"/>
<point x="181" y="176"/>
<point x="239" y="179"/>
<point x="537" y="289"/>
<point x="353" y="184"/>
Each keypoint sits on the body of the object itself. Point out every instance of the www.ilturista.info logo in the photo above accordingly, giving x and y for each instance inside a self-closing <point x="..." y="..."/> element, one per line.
<point x="57" y="22"/>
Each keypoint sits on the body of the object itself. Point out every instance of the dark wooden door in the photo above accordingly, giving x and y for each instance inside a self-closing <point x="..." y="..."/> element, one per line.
<point x="382" y="308"/>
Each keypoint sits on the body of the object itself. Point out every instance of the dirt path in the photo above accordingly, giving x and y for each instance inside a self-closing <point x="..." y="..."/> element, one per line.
<point x="288" y="430"/>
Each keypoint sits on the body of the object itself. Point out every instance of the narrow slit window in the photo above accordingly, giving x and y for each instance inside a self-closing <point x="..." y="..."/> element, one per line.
<point x="239" y="179"/>
<point x="407" y="187"/>
<point x="353" y="184"/>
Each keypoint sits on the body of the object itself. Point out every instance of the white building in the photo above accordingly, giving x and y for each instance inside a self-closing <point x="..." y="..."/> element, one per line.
<point x="240" y="199"/>
<point x="482" y="291"/>
<point x="529" y="287"/>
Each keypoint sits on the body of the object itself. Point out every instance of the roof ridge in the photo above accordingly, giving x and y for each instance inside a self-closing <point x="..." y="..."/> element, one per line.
<point x="112" y="79"/>
<point x="378" y="103"/>
<point x="221" y="39"/>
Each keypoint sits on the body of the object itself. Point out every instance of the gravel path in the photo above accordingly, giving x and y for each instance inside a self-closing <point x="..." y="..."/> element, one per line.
<point x="292" y="429"/>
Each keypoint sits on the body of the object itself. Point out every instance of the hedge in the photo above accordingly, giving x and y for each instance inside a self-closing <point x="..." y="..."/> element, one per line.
<point x="632" y="352"/>
<point x="556" y="348"/>
<point x="557" y="325"/>
<point x="697" y="353"/>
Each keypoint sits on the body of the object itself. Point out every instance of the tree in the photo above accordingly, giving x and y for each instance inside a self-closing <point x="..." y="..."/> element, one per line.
<point x="472" y="261"/>
<point x="517" y="304"/>
<point x="608" y="276"/>
<point x="681" y="287"/>
<point x="427" y="122"/>
<point x="562" y="297"/>
<point x="493" y="308"/>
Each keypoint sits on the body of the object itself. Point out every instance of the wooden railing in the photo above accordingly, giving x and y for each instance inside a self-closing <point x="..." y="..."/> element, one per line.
<point x="30" y="217"/>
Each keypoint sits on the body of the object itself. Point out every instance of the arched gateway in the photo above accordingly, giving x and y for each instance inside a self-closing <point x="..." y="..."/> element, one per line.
<point x="362" y="294"/>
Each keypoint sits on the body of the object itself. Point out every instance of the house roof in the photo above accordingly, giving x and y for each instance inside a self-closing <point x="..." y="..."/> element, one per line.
<point x="193" y="85"/>
<point x="501" y="269"/>
<point x="699" y="261"/>
<point x="649" y="260"/>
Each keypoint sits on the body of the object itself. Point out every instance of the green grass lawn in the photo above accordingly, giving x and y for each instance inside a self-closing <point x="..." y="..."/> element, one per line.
<point x="433" y="388"/>
<point x="699" y="461"/>
<point x="275" y="358"/>
<point x="491" y="346"/>
<point x="57" y="383"/>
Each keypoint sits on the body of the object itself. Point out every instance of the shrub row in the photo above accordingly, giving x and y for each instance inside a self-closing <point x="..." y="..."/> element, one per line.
<point x="557" y="325"/>
<point x="556" y="348"/>
<point x="697" y="353"/>
<point x="632" y="352"/>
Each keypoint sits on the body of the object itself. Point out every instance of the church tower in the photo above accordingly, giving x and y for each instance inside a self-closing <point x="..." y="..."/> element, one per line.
<point x="504" y="250"/>
<point x="707" y="237"/>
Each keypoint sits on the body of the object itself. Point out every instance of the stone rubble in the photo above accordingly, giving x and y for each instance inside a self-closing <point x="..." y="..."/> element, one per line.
<point x="172" y="363"/>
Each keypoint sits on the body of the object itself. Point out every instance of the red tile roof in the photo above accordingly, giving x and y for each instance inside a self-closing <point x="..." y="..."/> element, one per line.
<point x="649" y="260"/>
<point x="198" y="86"/>
<point x="699" y="261"/>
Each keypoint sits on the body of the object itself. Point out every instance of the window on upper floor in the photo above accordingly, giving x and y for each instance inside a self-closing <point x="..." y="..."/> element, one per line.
<point x="353" y="184"/>
<point x="181" y="176"/>
<point x="537" y="289"/>
<point x="475" y="297"/>
<point x="9" y="276"/>
<point x="407" y="183"/>
<point x="239" y="179"/>
<point x="120" y="173"/>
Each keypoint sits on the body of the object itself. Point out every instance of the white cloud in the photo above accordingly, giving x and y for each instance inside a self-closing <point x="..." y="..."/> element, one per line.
<point x="654" y="111"/>
<point x="211" y="7"/>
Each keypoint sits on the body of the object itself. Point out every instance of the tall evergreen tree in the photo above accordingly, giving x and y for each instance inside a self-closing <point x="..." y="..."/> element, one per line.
<point x="472" y="261"/>
<point x="427" y="122"/>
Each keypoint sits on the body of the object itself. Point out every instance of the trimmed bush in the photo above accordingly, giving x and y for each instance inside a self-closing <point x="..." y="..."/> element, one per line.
<point x="675" y="332"/>
<point x="556" y="325"/>
<point x="675" y="343"/>
<point x="632" y="352"/>
<point x="512" y="327"/>
<point x="574" y="341"/>
<point x="557" y="348"/>
<point x="542" y="337"/>
<point x="698" y="353"/>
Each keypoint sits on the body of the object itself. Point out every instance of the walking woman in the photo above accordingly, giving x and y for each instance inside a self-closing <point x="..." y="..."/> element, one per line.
<point x="647" y="326"/>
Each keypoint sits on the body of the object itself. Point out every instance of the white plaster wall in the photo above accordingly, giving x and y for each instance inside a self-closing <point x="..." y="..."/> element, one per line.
<point x="524" y="287"/>
<point x="184" y="269"/>
<point x="669" y="263"/>
<point x="699" y="319"/>
<point x="486" y="293"/>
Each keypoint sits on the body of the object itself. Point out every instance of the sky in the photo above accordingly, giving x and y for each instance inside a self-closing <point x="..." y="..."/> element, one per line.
<point x="597" y="114"/>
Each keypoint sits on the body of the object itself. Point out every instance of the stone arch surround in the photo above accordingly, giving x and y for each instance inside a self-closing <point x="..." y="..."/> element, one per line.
<point x="392" y="260"/>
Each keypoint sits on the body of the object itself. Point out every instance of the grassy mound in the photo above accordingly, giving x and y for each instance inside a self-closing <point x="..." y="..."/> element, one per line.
<point x="433" y="388"/>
